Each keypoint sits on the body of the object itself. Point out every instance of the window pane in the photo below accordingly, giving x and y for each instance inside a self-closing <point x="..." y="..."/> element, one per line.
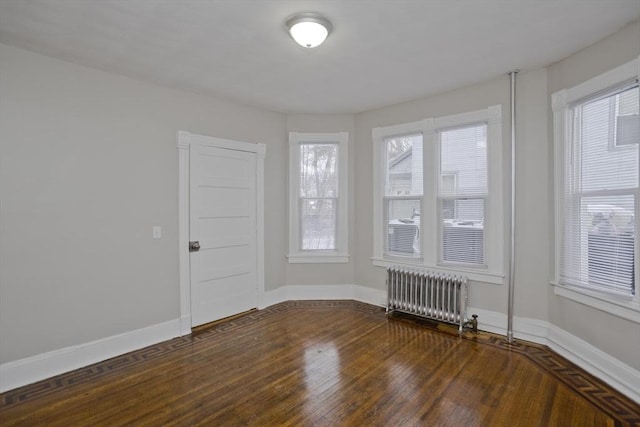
<point x="462" y="231"/>
<point x="403" y="228"/>
<point x="606" y="165"/>
<point x="600" y="251"/>
<point x="463" y="173"/>
<point x="318" y="170"/>
<point x="318" y="224"/>
<point x="463" y="161"/>
<point x="599" y="228"/>
<point x="403" y="160"/>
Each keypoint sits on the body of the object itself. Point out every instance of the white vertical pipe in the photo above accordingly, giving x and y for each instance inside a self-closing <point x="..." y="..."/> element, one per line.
<point x="512" y="256"/>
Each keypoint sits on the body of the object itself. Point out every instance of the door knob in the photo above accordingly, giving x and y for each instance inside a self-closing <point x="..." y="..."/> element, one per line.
<point x="194" y="246"/>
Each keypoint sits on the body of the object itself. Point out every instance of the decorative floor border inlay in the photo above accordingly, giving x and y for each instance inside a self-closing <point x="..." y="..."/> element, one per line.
<point x="594" y="390"/>
<point x="598" y="393"/>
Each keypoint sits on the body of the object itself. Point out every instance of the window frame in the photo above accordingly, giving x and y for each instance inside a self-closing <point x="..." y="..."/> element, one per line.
<point x="340" y="254"/>
<point x="627" y="307"/>
<point x="493" y="271"/>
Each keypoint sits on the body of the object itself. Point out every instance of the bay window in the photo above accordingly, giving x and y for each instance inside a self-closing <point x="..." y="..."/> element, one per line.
<point x="438" y="195"/>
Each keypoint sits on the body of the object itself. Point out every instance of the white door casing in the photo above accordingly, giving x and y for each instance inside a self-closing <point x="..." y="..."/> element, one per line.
<point x="221" y="195"/>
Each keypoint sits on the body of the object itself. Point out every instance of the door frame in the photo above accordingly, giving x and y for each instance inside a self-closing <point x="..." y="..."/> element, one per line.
<point x="185" y="141"/>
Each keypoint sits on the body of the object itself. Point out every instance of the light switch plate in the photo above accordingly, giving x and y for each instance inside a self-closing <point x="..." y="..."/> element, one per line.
<point x="157" y="232"/>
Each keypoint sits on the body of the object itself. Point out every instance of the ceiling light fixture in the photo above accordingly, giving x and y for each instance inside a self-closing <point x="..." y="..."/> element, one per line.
<point x="308" y="29"/>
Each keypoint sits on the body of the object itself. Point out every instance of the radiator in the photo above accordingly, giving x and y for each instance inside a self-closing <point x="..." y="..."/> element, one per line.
<point x="424" y="293"/>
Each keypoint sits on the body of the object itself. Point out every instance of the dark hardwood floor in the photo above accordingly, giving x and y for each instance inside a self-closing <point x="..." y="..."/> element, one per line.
<point x="330" y="363"/>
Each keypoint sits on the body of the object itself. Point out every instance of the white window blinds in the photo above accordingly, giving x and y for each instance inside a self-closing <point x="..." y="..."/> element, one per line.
<point x="403" y="190"/>
<point x="601" y="192"/>
<point x="318" y="198"/>
<point x="462" y="194"/>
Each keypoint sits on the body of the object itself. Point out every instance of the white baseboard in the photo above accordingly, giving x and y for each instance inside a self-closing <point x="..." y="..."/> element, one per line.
<point x="593" y="360"/>
<point x="524" y="328"/>
<point x="370" y="296"/>
<point x="185" y="324"/>
<point x="323" y="292"/>
<point x="490" y="321"/>
<point x="620" y="376"/>
<point x="598" y="363"/>
<point x="35" y="368"/>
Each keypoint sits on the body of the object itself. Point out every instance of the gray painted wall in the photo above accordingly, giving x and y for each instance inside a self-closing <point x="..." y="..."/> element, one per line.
<point x="88" y="164"/>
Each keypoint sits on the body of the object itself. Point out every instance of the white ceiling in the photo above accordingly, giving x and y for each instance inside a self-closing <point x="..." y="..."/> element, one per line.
<point x="381" y="52"/>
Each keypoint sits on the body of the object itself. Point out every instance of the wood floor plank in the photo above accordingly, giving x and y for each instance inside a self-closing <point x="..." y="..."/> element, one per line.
<point x="331" y="363"/>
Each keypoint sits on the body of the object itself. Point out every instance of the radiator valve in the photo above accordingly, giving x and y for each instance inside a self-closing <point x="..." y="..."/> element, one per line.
<point x="473" y="323"/>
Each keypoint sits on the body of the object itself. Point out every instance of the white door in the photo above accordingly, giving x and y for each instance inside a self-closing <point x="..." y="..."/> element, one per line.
<point x="223" y="220"/>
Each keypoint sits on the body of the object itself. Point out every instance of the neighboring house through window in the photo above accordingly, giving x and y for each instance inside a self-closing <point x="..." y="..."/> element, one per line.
<point x="449" y="185"/>
<point x="403" y="195"/>
<point x="462" y="200"/>
<point x="318" y="197"/>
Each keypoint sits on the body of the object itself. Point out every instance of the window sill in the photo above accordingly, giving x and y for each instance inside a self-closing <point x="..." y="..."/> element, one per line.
<point x="625" y="308"/>
<point x="474" y="275"/>
<point x="318" y="258"/>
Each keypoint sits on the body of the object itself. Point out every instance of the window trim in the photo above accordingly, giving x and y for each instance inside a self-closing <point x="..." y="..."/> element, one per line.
<point x="379" y="136"/>
<point x="495" y="242"/>
<point x="561" y="102"/>
<point x="297" y="255"/>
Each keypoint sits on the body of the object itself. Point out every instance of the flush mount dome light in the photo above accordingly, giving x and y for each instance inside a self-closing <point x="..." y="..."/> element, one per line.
<point x="308" y="29"/>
